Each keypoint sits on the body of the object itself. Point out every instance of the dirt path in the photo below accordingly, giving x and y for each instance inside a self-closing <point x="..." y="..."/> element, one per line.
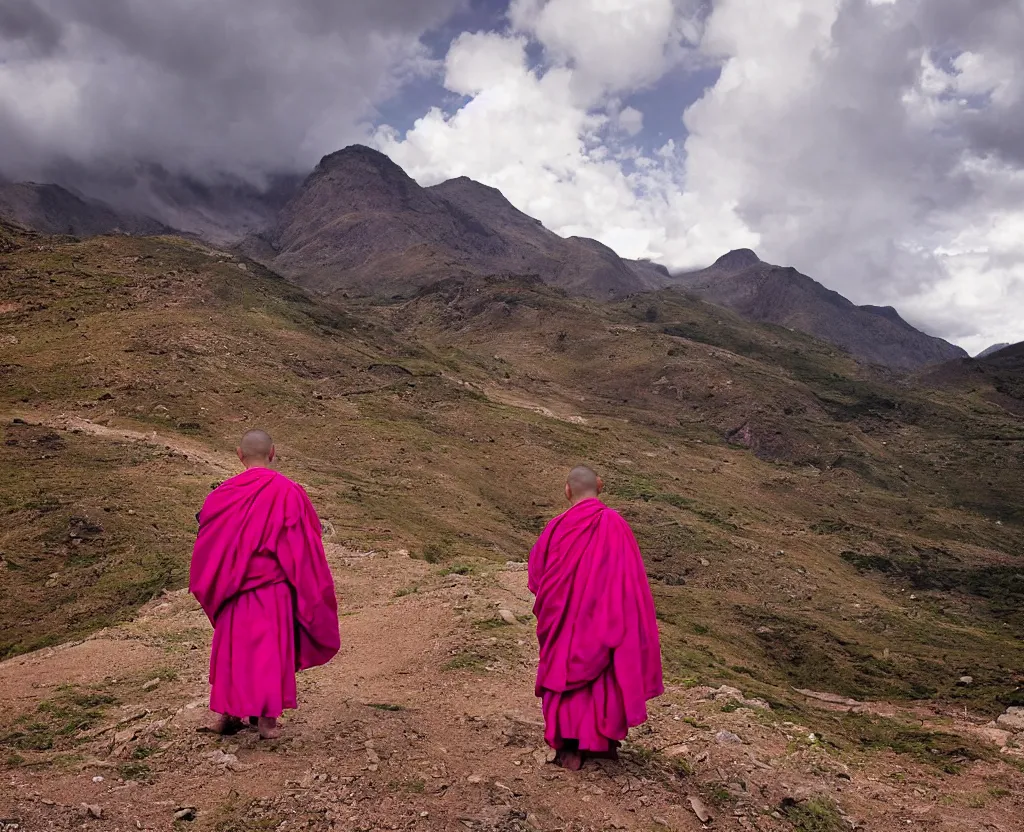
<point x="219" y="463"/>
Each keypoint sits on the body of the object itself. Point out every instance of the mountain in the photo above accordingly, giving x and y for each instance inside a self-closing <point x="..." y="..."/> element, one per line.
<point x="51" y="209"/>
<point x="761" y="292"/>
<point x="993" y="349"/>
<point x="360" y="222"/>
<point x="997" y="377"/>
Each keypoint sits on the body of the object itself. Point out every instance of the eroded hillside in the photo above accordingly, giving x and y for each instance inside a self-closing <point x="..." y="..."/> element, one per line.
<point x="807" y="524"/>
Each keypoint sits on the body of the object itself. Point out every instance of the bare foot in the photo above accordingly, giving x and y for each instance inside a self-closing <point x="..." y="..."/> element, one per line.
<point x="227" y="725"/>
<point x="571" y="760"/>
<point x="268" y="728"/>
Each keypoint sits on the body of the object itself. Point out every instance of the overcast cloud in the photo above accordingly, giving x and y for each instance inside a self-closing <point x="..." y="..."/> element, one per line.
<point x="877" y="145"/>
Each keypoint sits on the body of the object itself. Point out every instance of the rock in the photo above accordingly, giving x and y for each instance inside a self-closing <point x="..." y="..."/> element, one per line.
<point x="186" y="813"/>
<point x="699" y="809"/>
<point x="92" y="810"/>
<point x="727" y="738"/>
<point x="219" y="758"/>
<point x="515" y="566"/>
<point x="127" y="735"/>
<point x="996" y="736"/>
<point x="677" y="751"/>
<point x="1012" y="720"/>
<point x="475" y="779"/>
<point x="736" y="695"/>
<point x="151" y="684"/>
<point x="965" y="681"/>
<point x="508" y="616"/>
<point x="831" y="698"/>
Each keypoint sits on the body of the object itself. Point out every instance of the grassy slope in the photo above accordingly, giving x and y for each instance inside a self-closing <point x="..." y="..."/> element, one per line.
<point x="444" y="423"/>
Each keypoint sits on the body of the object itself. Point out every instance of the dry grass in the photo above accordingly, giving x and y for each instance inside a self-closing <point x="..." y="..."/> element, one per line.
<point x="442" y="424"/>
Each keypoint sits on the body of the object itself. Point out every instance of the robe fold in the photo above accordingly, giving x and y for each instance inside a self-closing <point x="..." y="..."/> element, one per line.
<point x="260" y="573"/>
<point x="600" y="655"/>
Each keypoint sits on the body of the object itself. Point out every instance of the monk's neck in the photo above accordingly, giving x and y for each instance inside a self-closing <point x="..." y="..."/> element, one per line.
<point x="261" y="464"/>
<point x="577" y="501"/>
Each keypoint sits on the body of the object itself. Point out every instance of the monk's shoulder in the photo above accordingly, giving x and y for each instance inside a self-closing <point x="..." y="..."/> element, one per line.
<point x="611" y="515"/>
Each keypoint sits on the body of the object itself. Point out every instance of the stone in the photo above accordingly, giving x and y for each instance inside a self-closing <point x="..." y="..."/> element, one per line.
<point x="92" y="810"/>
<point x="508" y="616"/>
<point x="127" y="735"/>
<point x="965" y="681"/>
<point x="677" y="751"/>
<point x="699" y="809"/>
<point x="727" y="738"/>
<point x="219" y="758"/>
<point x="1012" y="720"/>
<point x="152" y="684"/>
<point x="186" y="813"/>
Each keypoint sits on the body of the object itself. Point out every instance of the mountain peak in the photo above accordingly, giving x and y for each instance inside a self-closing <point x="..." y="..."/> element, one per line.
<point x="992" y="350"/>
<point x="741" y="258"/>
<point x="356" y="153"/>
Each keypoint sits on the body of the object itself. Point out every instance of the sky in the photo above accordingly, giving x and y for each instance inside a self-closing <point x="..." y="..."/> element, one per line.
<point x="876" y="145"/>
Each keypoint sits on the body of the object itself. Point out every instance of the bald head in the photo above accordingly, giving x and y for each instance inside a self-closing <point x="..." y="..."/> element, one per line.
<point x="256" y="448"/>
<point x="582" y="483"/>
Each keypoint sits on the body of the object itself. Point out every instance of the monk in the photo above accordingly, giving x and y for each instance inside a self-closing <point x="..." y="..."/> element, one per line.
<point x="600" y="656"/>
<point x="260" y="573"/>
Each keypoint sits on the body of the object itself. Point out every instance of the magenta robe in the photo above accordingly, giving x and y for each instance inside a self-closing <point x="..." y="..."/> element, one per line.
<point x="600" y="656"/>
<point x="260" y="573"/>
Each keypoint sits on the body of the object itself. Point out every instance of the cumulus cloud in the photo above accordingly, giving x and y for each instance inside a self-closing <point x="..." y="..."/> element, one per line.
<point x="546" y="135"/>
<point x="878" y="146"/>
<point x="200" y="86"/>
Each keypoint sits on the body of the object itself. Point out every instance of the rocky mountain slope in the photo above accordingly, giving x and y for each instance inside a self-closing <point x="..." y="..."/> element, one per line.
<point x="52" y="209"/>
<point x="360" y="222"/>
<point x="994" y="348"/>
<point x="772" y="294"/>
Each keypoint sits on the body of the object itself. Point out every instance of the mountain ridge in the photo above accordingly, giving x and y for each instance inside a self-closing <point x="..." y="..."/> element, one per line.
<point x="359" y="223"/>
<point x="781" y="295"/>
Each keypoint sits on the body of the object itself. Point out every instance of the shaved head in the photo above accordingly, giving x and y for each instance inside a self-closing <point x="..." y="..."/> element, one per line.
<point x="583" y="482"/>
<point x="256" y="446"/>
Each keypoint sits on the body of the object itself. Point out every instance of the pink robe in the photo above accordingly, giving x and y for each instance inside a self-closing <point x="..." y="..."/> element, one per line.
<point x="260" y="573"/>
<point x="600" y="657"/>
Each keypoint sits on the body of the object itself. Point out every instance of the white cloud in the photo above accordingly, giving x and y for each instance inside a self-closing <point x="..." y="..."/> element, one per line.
<point x="612" y="45"/>
<point x="876" y="146"/>
<point x="630" y="120"/>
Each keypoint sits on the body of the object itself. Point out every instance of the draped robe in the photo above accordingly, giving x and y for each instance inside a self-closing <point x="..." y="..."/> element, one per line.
<point x="260" y="573"/>
<point x="600" y="655"/>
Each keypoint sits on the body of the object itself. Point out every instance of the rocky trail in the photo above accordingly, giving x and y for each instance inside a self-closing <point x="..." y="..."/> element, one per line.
<point x="427" y="720"/>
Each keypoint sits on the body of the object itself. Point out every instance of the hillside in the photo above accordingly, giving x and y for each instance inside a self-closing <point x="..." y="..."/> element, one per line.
<point x="360" y="222"/>
<point x="772" y="294"/>
<point x="56" y="210"/>
<point x="807" y="524"/>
